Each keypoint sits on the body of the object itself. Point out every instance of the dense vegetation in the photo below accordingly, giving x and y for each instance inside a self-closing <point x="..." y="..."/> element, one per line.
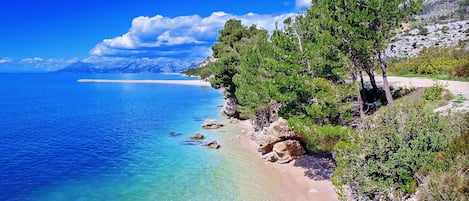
<point x="449" y="63"/>
<point x="310" y="72"/>
<point x="401" y="145"/>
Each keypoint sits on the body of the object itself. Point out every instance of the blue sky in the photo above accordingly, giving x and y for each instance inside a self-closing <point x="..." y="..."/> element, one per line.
<point x="50" y="34"/>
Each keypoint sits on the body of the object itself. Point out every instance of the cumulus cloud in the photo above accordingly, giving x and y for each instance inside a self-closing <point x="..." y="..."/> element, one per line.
<point x="182" y="37"/>
<point x="303" y="3"/>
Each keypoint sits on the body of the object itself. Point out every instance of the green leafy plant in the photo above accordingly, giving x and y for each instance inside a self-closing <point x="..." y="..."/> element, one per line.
<point x="381" y="163"/>
<point x="434" y="93"/>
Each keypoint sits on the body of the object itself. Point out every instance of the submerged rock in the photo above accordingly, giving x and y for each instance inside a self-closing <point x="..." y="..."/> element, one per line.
<point x="213" y="144"/>
<point x="197" y="136"/>
<point x="191" y="142"/>
<point x="212" y="124"/>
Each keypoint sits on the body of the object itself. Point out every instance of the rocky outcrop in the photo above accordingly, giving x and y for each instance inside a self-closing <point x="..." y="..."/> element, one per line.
<point x="285" y="151"/>
<point x="408" y="44"/>
<point x="213" y="144"/>
<point x="211" y="124"/>
<point x="197" y="136"/>
<point x="229" y="108"/>
<point x="266" y="116"/>
<point x="278" y="142"/>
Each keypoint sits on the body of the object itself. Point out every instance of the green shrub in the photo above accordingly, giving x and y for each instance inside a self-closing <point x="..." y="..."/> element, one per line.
<point x="434" y="92"/>
<point x="447" y="178"/>
<point x="435" y="61"/>
<point x="319" y="138"/>
<point x="381" y="163"/>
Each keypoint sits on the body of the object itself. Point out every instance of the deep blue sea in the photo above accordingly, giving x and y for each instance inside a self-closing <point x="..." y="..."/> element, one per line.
<point x="64" y="140"/>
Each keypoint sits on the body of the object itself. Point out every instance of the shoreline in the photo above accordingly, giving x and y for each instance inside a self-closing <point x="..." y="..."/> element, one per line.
<point x="290" y="180"/>
<point x="177" y="82"/>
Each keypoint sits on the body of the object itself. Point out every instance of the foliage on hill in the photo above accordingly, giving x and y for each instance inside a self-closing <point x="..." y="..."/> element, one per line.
<point x="302" y="71"/>
<point x="203" y="72"/>
<point x="451" y="62"/>
<point x="382" y="162"/>
<point x="447" y="176"/>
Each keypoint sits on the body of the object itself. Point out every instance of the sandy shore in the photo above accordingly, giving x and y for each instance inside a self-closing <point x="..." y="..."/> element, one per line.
<point x="290" y="181"/>
<point x="179" y="82"/>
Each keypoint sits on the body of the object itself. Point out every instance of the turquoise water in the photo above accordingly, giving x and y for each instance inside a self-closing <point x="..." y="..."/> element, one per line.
<point x="64" y="140"/>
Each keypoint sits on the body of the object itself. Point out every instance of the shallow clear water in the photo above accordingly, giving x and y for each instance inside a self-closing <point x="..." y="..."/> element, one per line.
<point x="64" y="140"/>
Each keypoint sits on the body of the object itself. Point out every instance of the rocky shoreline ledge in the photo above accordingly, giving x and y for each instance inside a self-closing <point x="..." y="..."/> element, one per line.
<point x="280" y="147"/>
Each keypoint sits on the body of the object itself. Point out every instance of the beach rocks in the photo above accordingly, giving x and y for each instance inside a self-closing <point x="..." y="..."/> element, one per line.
<point x="197" y="136"/>
<point x="277" y="131"/>
<point x="213" y="144"/>
<point x="229" y="108"/>
<point x="211" y="124"/>
<point x="278" y="142"/>
<point x="285" y="151"/>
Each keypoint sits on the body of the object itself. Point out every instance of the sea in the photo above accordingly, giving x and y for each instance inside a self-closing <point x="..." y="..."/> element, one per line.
<point x="65" y="140"/>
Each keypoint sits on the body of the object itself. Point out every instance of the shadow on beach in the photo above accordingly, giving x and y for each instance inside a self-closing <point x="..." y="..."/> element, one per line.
<point x="318" y="166"/>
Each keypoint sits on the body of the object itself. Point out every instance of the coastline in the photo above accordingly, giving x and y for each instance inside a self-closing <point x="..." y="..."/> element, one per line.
<point x="290" y="181"/>
<point x="282" y="182"/>
<point x="177" y="82"/>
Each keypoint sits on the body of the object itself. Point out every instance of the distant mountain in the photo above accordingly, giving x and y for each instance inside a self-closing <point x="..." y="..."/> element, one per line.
<point x="128" y="65"/>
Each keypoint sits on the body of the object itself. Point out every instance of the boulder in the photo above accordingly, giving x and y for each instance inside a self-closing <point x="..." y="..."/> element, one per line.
<point x="229" y="108"/>
<point x="197" y="136"/>
<point x="277" y="131"/>
<point x="287" y="150"/>
<point x="213" y="144"/>
<point x="271" y="157"/>
<point x="211" y="124"/>
<point x="280" y="149"/>
<point x="294" y="147"/>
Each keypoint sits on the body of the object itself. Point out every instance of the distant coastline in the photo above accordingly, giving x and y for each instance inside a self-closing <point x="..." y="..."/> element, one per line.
<point x="179" y="82"/>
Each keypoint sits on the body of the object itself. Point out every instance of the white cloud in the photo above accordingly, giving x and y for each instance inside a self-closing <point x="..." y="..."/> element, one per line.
<point x="34" y="64"/>
<point x="178" y="37"/>
<point x="5" y="60"/>
<point x="302" y="3"/>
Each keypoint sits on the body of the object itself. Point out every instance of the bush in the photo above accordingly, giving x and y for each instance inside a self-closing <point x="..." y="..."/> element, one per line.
<point x="381" y="163"/>
<point x="461" y="71"/>
<point x="447" y="178"/>
<point x="435" y="61"/>
<point x="319" y="138"/>
<point x="434" y="92"/>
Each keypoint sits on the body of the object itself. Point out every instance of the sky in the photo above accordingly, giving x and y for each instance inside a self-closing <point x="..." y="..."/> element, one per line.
<point x="50" y="34"/>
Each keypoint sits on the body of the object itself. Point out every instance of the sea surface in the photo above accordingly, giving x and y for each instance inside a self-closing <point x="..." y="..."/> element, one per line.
<point x="64" y="140"/>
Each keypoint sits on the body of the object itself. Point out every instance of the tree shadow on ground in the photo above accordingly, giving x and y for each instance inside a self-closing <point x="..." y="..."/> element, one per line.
<point x="318" y="166"/>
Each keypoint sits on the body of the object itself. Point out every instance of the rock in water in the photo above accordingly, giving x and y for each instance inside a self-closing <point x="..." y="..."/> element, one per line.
<point x="211" y="124"/>
<point x="213" y="144"/>
<point x="198" y="136"/>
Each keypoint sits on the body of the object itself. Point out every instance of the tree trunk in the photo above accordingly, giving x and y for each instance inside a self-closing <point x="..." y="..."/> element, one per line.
<point x="371" y="75"/>
<point x="361" y="80"/>
<point x="300" y="45"/>
<point x="387" y="90"/>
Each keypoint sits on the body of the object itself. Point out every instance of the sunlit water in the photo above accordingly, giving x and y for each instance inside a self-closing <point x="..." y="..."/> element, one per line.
<point x="64" y="140"/>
